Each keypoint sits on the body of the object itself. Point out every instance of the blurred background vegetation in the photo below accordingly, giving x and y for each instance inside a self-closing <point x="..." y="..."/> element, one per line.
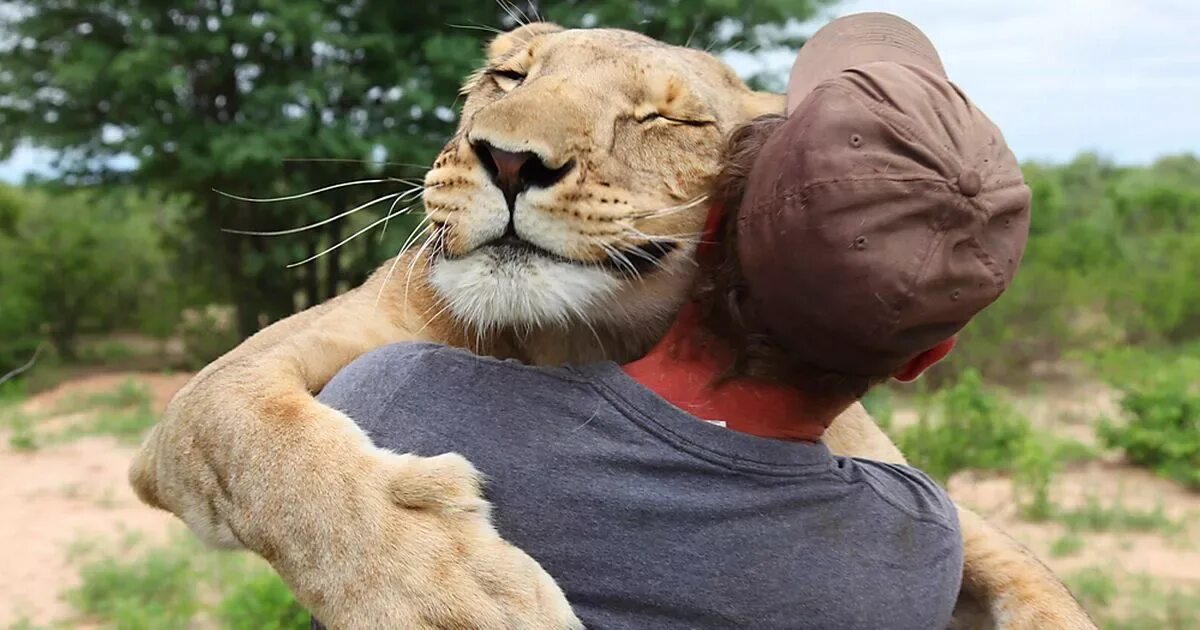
<point x="120" y="262"/>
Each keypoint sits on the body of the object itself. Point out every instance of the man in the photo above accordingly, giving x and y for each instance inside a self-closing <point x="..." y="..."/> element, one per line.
<point x="690" y="489"/>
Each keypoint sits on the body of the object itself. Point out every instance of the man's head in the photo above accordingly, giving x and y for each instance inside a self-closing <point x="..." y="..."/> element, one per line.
<point x="863" y="230"/>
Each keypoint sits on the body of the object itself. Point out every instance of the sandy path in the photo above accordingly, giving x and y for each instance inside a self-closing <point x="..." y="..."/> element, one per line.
<point x="62" y="494"/>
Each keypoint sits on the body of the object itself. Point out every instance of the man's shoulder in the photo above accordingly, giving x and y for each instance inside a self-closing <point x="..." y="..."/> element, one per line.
<point x="403" y="355"/>
<point x="907" y="490"/>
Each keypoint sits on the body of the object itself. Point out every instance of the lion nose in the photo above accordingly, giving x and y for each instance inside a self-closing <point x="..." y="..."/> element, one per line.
<point x="514" y="173"/>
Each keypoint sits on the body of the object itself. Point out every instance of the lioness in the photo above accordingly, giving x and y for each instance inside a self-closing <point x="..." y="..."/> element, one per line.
<point x="592" y="263"/>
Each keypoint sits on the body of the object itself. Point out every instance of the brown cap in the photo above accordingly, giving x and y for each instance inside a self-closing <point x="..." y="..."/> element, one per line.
<point x="886" y="211"/>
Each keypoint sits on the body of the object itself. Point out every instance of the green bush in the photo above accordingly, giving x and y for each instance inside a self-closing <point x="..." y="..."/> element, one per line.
<point x="261" y="601"/>
<point x="1112" y="260"/>
<point x="82" y="261"/>
<point x="1162" y="427"/>
<point x="965" y="426"/>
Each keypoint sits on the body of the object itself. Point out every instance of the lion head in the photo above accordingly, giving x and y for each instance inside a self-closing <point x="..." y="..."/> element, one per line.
<point x="573" y="192"/>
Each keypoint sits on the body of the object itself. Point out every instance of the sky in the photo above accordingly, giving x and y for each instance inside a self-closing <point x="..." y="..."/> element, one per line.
<point x="1119" y="77"/>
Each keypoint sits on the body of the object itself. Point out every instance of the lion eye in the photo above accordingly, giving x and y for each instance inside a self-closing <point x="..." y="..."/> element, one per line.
<point x="654" y="115"/>
<point x="506" y="79"/>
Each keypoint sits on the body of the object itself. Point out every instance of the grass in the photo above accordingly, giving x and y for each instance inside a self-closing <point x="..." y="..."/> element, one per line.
<point x="22" y="437"/>
<point x="125" y="412"/>
<point x="178" y="585"/>
<point x="1134" y="602"/>
<point x="1068" y="544"/>
<point x="1095" y="588"/>
<point x="1092" y="516"/>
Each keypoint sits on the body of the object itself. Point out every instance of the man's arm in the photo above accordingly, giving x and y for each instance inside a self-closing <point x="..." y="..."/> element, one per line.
<point x="364" y="537"/>
<point x="1004" y="585"/>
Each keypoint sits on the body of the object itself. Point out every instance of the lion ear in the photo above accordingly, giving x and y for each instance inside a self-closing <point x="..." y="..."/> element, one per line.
<point x="519" y="36"/>
<point x="755" y="104"/>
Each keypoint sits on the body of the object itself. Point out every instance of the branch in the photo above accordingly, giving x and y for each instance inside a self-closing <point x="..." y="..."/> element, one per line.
<point x="24" y="368"/>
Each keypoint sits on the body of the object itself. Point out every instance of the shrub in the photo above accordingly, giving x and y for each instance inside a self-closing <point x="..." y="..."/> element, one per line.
<point x="82" y="260"/>
<point x="261" y="601"/>
<point x="1162" y="427"/>
<point x="965" y="426"/>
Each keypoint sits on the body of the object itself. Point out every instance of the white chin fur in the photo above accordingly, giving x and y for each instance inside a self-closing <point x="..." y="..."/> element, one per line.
<point x="485" y="290"/>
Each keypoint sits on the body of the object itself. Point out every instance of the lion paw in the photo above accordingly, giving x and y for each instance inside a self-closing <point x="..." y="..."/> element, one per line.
<point x="447" y="482"/>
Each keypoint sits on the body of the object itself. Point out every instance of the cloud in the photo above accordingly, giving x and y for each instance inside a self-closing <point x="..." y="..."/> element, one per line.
<point x="1058" y="77"/>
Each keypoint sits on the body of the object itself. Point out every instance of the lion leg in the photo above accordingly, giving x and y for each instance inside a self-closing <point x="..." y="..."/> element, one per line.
<point x="365" y="538"/>
<point x="1004" y="585"/>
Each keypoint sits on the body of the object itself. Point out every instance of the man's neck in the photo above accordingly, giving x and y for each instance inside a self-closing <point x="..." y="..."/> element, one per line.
<point x="684" y="372"/>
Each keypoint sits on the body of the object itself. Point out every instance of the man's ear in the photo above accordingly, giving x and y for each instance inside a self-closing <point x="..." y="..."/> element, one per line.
<point x="755" y="104"/>
<point x="506" y="42"/>
<point x="924" y="361"/>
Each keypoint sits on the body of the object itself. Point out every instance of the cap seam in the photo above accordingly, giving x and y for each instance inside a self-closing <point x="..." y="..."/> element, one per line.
<point x="753" y="214"/>
<point x="873" y="105"/>
<point x="919" y="276"/>
<point x="988" y="261"/>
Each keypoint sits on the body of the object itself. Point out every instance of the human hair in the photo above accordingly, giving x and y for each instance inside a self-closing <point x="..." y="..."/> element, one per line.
<point x="721" y="292"/>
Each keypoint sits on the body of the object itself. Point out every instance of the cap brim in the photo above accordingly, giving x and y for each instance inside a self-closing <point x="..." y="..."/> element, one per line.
<point x="855" y="40"/>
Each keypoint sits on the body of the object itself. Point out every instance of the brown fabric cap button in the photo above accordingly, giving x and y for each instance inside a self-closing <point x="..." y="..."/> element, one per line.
<point x="859" y="258"/>
<point x="970" y="183"/>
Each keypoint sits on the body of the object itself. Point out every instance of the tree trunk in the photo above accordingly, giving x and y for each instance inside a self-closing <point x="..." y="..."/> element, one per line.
<point x="312" y="281"/>
<point x="333" y="260"/>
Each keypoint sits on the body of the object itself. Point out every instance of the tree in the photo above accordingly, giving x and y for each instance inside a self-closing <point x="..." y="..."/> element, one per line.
<point x="217" y="94"/>
<point x="81" y="260"/>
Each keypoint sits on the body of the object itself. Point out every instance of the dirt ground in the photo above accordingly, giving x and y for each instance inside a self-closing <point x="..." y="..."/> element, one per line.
<point x="64" y="493"/>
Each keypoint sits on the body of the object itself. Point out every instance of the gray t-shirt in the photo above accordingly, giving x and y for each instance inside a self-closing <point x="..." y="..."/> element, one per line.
<point x="651" y="518"/>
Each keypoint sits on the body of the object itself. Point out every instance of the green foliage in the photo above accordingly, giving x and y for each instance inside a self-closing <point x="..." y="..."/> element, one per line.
<point x="178" y="585"/>
<point x="148" y="591"/>
<point x="259" y="600"/>
<point x="124" y="413"/>
<point x="1111" y="261"/>
<point x="22" y="437"/>
<point x="964" y="426"/>
<point x="82" y="260"/>
<point x="1162" y="429"/>
<point x="1155" y="608"/>
<point x="1093" y="516"/>
<point x="1094" y="588"/>
<point x="1035" y="468"/>
<point x="1068" y="544"/>
<point x="878" y="403"/>
<point x="1134" y="602"/>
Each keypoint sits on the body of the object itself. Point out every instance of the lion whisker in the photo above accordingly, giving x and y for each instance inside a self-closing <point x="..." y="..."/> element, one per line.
<point x="422" y="227"/>
<point x="423" y="167"/>
<point x="662" y="212"/>
<point x="318" y="223"/>
<point x="643" y="254"/>
<point x="361" y="182"/>
<point x="418" y="190"/>
<point x="511" y="10"/>
<point x="476" y="27"/>
<point x="618" y="257"/>
<point x="346" y="240"/>
<point x="417" y="257"/>
<point x="429" y="320"/>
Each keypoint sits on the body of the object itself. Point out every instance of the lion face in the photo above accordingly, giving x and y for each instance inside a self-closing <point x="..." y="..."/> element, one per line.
<point x="573" y="190"/>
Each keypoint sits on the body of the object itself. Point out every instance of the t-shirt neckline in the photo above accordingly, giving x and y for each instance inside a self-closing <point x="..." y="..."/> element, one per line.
<point x="742" y="451"/>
